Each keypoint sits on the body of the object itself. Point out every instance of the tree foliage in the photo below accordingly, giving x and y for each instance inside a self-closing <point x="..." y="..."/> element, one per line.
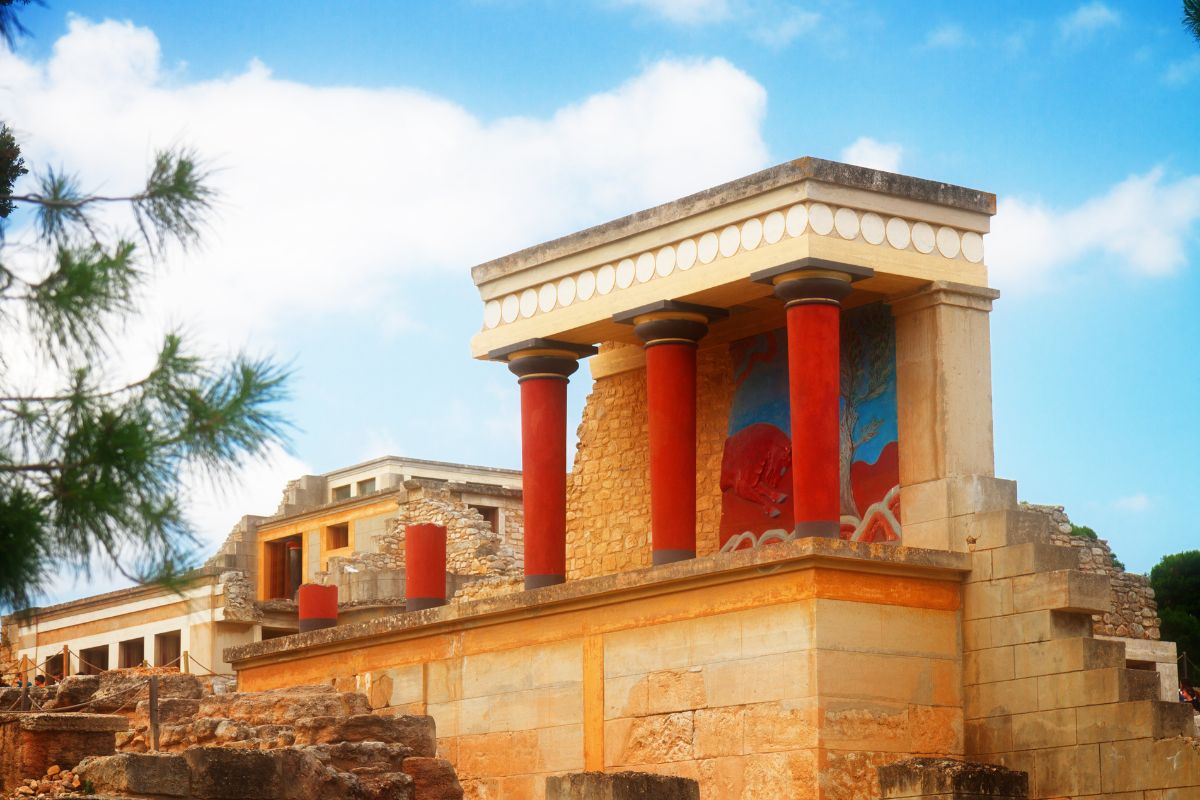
<point x="1176" y="582"/>
<point x="94" y="467"/>
<point x="1191" y="17"/>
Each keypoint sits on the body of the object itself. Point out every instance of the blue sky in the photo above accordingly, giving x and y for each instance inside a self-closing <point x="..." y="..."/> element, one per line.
<point x="370" y="153"/>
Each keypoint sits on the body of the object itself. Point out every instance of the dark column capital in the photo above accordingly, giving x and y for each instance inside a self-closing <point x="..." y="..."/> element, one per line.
<point x="670" y="321"/>
<point x="542" y="358"/>
<point x="812" y="280"/>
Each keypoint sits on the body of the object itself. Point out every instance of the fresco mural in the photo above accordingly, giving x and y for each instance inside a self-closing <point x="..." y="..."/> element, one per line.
<point x="756" y="481"/>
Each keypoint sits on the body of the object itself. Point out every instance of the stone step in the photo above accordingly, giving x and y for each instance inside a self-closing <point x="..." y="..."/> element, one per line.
<point x="1062" y="590"/>
<point x="1158" y="719"/>
<point x="1007" y="528"/>
<point x="1031" y="626"/>
<point x="1066" y="655"/>
<point x="1025" y="559"/>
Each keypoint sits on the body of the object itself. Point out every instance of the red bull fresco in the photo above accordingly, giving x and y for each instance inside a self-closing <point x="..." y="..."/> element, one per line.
<point x="756" y="480"/>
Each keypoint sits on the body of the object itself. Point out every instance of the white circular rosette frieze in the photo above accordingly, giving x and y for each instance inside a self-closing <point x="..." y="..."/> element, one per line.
<point x="730" y="240"/>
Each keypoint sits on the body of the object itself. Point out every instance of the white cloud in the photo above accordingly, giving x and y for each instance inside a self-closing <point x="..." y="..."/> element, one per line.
<point x="214" y="508"/>
<point x="328" y="190"/>
<point x="686" y="12"/>
<point x="1084" y="21"/>
<point x="1142" y="223"/>
<point x="1183" y="72"/>
<point x="330" y="194"/>
<point x="949" y="36"/>
<point x="782" y="29"/>
<point x="1134" y="502"/>
<point x="867" y="152"/>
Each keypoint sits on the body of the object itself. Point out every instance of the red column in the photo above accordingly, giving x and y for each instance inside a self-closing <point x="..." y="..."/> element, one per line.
<point x="670" y="330"/>
<point x="318" y="606"/>
<point x="814" y="394"/>
<point x="543" y="367"/>
<point x="424" y="566"/>
<point x="544" y="478"/>
<point x="671" y="401"/>
<point x="812" y="290"/>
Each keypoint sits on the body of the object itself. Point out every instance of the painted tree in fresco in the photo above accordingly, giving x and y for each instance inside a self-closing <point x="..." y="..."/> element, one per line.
<point x="867" y="367"/>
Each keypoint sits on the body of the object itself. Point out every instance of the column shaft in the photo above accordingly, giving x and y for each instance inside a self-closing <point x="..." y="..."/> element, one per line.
<point x="544" y="466"/>
<point x="671" y="398"/>
<point x="814" y="358"/>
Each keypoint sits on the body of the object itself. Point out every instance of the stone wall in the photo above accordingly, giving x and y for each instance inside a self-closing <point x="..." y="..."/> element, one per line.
<point x="608" y="494"/>
<point x="1134" y="612"/>
<point x="481" y="562"/>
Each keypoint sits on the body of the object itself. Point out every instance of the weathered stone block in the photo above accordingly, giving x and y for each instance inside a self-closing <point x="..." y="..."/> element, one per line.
<point x="620" y="786"/>
<point x="137" y="773"/>
<point x="995" y="529"/>
<point x="29" y="743"/>
<point x="120" y="688"/>
<point x="415" y="732"/>
<point x="1030" y="558"/>
<point x="1063" y="590"/>
<point x="220" y="773"/>
<point x="74" y="691"/>
<point x="929" y="777"/>
<point x="433" y="779"/>
<point x="1134" y="720"/>
<point x="1066" y="655"/>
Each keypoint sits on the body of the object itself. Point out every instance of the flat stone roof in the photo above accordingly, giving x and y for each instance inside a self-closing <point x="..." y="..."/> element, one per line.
<point x="720" y="567"/>
<point x="807" y="168"/>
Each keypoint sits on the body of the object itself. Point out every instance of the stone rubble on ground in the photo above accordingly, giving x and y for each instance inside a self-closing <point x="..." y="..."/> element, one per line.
<point x="284" y="744"/>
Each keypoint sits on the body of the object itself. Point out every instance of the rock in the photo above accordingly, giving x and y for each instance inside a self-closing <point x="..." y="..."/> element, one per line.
<point x="171" y="710"/>
<point x="354" y="756"/>
<point x="53" y="770"/>
<point x="620" y="786"/>
<point x="74" y="691"/>
<point x="137" y="773"/>
<point x="283" y="707"/>
<point x="433" y="778"/>
<point x="120" y="689"/>
<point x="307" y="777"/>
<point x="222" y="773"/>
<point x="415" y="732"/>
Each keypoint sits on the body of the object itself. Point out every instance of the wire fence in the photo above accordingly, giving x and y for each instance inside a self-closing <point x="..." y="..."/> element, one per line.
<point x="56" y="667"/>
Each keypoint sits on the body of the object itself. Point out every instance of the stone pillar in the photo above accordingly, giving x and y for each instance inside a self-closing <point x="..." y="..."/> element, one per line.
<point x="812" y="290"/>
<point x="670" y="331"/>
<point x="543" y="367"/>
<point x="944" y="412"/>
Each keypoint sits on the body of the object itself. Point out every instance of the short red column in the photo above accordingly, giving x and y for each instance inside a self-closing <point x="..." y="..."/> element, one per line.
<point x="543" y="367"/>
<point x="670" y="330"/>
<point x="424" y="566"/>
<point x="812" y="290"/>
<point x="318" y="606"/>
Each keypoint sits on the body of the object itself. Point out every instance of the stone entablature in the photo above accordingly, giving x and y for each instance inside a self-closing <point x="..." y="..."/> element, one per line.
<point x="710" y="243"/>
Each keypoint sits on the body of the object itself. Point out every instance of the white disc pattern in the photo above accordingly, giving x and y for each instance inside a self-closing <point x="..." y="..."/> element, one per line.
<point x="750" y="234"/>
<point x="685" y="254"/>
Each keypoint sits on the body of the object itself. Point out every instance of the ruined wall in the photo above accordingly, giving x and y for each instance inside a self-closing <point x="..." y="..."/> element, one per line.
<point x="1134" y="612"/>
<point x="608" y="493"/>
